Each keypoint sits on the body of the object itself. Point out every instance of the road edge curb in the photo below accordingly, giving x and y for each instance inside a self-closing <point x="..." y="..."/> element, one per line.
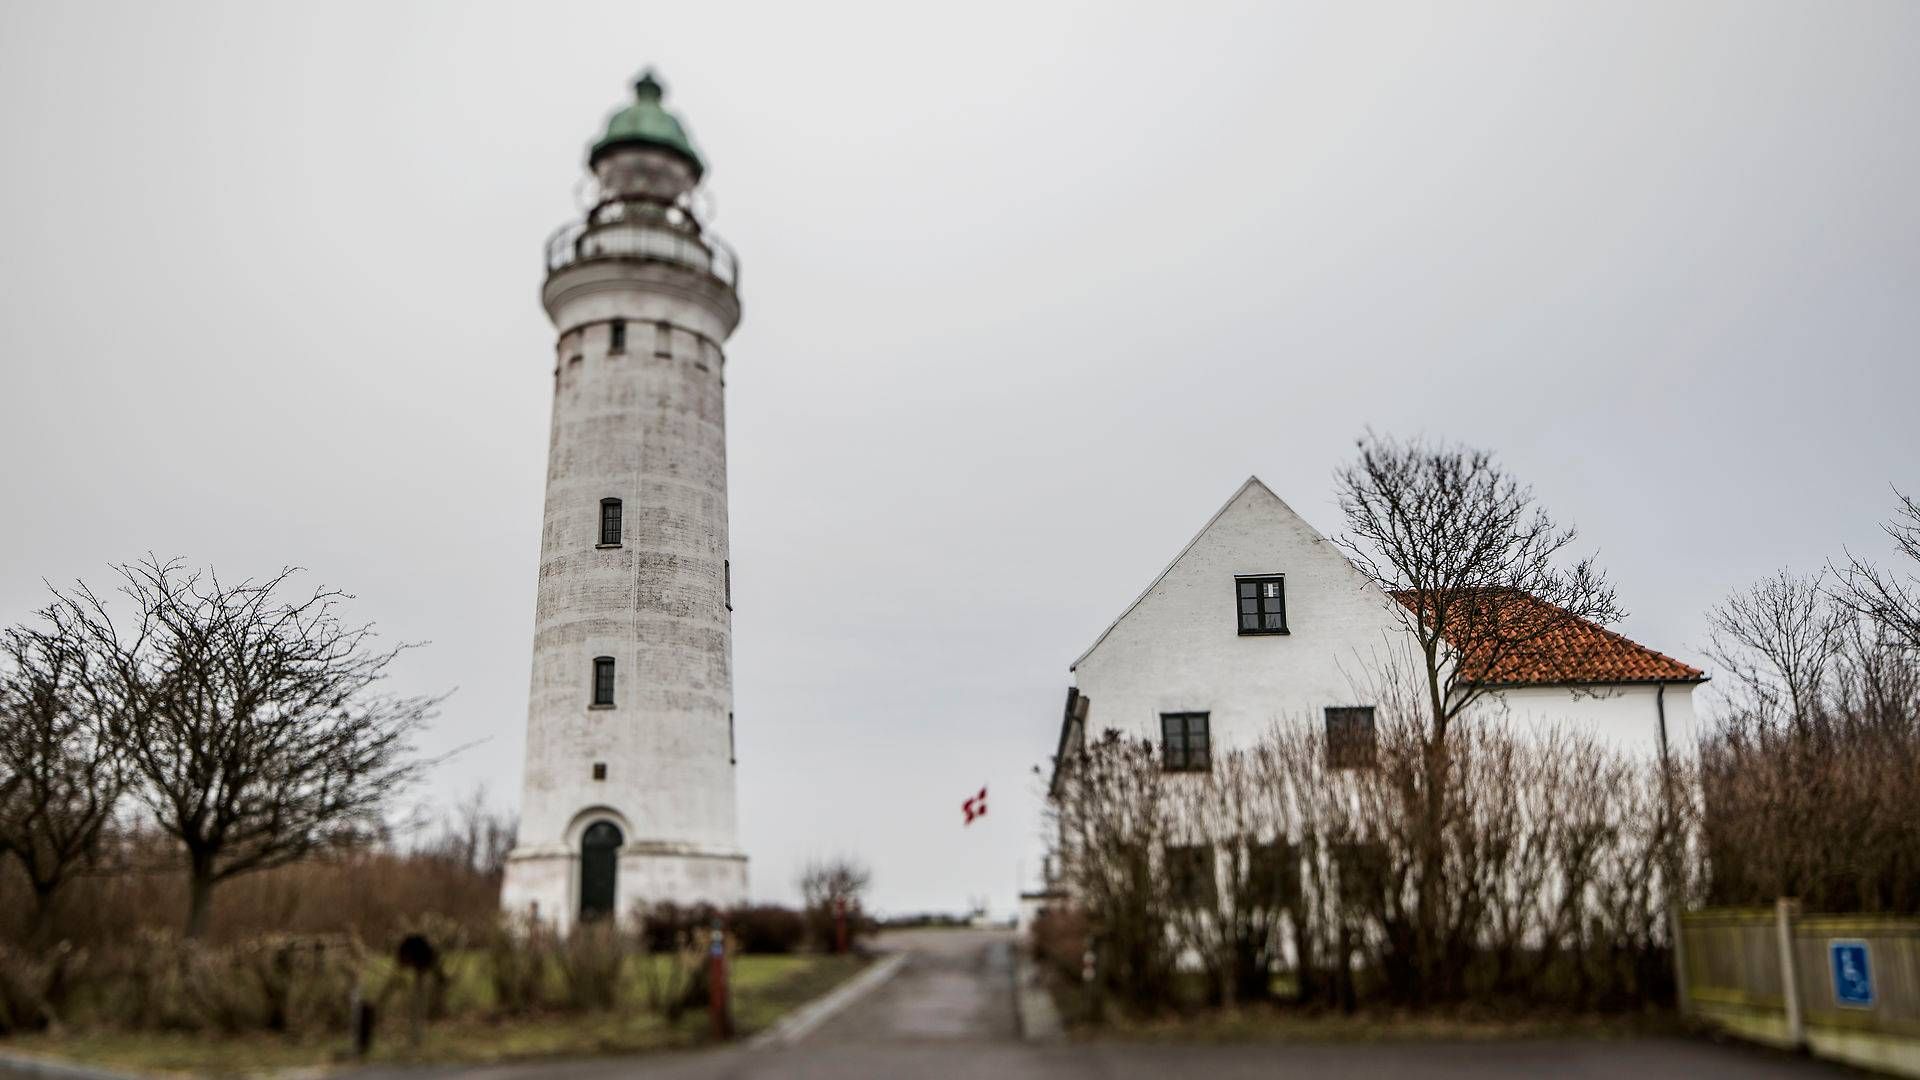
<point x="801" y="1022"/>
<point x="14" y="1063"/>
<point x="1032" y="1002"/>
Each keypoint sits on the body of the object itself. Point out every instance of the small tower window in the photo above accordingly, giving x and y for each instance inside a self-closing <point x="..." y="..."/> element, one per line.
<point x="610" y="521"/>
<point x="603" y="680"/>
<point x="662" y="339"/>
<point x="727" y="570"/>
<point x="599" y="770"/>
<point x="617" y="336"/>
<point x="733" y="756"/>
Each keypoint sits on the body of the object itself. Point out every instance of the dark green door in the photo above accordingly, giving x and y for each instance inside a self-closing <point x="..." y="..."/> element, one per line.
<point x="599" y="867"/>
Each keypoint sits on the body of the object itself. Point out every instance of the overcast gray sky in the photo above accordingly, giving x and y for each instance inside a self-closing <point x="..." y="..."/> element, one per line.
<point x="1029" y="289"/>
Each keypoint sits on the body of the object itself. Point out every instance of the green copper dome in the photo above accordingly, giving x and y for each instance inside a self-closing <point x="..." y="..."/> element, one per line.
<point x="646" y="122"/>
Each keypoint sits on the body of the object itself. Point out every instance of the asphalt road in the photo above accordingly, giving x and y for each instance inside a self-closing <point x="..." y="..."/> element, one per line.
<point x="949" y="1013"/>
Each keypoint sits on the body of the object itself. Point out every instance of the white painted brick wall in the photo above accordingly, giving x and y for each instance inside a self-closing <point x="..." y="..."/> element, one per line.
<point x="1179" y="649"/>
<point x="649" y="430"/>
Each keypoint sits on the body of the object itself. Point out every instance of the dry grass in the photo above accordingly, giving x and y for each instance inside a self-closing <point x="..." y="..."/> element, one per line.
<point x="374" y="893"/>
<point x="765" y="988"/>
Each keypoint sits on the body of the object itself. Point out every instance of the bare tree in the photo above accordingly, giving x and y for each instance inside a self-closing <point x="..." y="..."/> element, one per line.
<point x="833" y="888"/>
<point x="1479" y="568"/>
<point x="477" y="835"/>
<point x="1111" y="811"/>
<point x="60" y="770"/>
<point x="253" y="723"/>
<point x="1486" y="591"/>
<point x="1881" y="595"/>
<point x="1778" y="638"/>
<point x="1817" y="804"/>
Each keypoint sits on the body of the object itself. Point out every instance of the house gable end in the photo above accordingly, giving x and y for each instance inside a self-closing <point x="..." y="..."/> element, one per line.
<point x="1254" y="533"/>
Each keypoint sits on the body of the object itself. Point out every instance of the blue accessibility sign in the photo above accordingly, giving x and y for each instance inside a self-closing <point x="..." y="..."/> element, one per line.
<point x="1852" y="974"/>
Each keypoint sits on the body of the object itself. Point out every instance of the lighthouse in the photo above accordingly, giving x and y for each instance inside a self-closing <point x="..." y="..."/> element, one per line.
<point x="628" y="796"/>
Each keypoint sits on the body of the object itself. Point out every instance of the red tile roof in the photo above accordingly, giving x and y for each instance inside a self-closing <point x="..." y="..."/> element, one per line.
<point x="1550" y="647"/>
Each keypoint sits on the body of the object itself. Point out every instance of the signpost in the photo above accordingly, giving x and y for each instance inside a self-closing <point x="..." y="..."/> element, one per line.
<point x="1852" y="973"/>
<point x="719" y="1009"/>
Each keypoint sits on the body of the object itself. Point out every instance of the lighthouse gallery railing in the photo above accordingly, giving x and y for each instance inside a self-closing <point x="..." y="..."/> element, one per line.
<point x="632" y="229"/>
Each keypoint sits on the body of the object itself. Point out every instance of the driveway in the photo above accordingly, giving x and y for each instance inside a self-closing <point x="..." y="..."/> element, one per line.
<point x="949" y="1012"/>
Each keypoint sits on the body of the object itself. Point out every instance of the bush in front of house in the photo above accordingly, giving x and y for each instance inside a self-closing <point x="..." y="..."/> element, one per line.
<point x="1545" y="859"/>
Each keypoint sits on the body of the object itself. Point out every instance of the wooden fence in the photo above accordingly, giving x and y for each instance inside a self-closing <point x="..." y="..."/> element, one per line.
<point x="1845" y="987"/>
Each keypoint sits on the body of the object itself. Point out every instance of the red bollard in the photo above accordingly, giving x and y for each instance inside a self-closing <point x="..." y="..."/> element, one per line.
<point x="717" y="1005"/>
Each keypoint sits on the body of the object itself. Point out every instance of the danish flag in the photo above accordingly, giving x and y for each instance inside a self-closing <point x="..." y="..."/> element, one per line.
<point x="975" y="807"/>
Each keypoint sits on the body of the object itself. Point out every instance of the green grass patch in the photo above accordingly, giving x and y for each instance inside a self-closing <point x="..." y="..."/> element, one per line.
<point x="764" y="989"/>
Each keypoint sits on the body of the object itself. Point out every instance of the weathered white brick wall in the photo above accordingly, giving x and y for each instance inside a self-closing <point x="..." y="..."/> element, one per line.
<point x="646" y="426"/>
<point x="1179" y="649"/>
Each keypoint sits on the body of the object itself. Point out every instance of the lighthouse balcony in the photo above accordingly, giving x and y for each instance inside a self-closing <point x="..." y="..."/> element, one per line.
<point x="643" y="230"/>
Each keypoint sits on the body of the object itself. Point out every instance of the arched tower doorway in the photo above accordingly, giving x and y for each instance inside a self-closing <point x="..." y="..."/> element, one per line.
<point x="599" y="869"/>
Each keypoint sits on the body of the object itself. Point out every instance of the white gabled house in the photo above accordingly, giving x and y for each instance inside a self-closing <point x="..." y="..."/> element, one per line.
<point x="1261" y="619"/>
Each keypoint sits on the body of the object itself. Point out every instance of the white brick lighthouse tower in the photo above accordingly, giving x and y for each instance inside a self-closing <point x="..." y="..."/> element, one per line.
<point x="629" y="772"/>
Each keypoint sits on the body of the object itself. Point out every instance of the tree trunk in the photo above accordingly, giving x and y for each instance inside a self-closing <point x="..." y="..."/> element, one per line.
<point x="40" y="926"/>
<point x="1427" y="926"/>
<point x="199" y="899"/>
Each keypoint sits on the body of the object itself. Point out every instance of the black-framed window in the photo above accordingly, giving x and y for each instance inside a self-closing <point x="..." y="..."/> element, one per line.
<point x="1351" y="741"/>
<point x="609" y="521"/>
<point x="1185" y="742"/>
<point x="1262" y="604"/>
<point x="599" y="770"/>
<point x="603" y="680"/>
<point x="1361" y="867"/>
<point x="617" y="336"/>
<point x="1190" y="875"/>
<point x="1273" y="873"/>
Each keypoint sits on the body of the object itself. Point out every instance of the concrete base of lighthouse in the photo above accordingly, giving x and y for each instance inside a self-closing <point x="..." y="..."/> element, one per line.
<point x="543" y="883"/>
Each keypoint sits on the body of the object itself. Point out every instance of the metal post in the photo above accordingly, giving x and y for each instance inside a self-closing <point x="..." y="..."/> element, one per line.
<point x="719" y="1010"/>
<point x="361" y="1012"/>
<point x="1682" y="996"/>
<point x="1090" y="981"/>
<point x="1784" y="910"/>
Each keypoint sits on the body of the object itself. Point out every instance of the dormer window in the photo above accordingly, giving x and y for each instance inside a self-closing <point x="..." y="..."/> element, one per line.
<point x="609" y="522"/>
<point x="1263" y="604"/>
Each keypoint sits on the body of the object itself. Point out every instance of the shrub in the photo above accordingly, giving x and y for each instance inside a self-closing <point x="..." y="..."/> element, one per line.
<point x="592" y="962"/>
<point x="33" y="988"/>
<point x="1060" y="941"/>
<point x="518" y="957"/>
<point x="675" y="979"/>
<point x="1548" y="874"/>
<point x="371" y="891"/>
<point x="767" y="929"/>
<point x="669" y="927"/>
<point x="829" y="888"/>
